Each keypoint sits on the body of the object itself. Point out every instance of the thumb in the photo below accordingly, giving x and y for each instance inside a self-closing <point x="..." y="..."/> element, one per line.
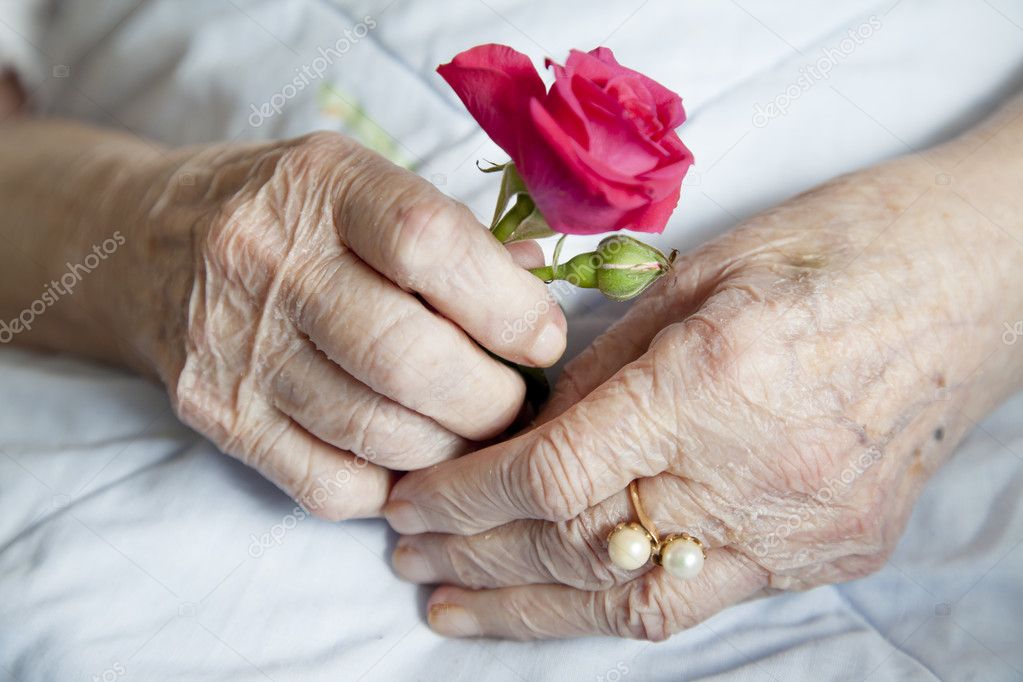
<point x="629" y="427"/>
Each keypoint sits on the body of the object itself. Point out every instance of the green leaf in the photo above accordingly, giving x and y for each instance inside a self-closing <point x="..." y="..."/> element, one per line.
<point x="511" y="187"/>
<point x="533" y="226"/>
<point x="492" y="168"/>
<point x="516" y="217"/>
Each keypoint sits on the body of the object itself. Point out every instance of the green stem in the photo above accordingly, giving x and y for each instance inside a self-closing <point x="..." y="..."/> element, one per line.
<point x="546" y="273"/>
<point x="505" y="227"/>
<point x="580" y="271"/>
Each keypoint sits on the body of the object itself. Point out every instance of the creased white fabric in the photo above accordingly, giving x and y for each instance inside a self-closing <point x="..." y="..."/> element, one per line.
<point x="131" y="549"/>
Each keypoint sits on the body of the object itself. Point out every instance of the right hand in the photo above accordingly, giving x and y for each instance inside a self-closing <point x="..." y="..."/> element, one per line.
<point x="311" y="307"/>
<point x="783" y="393"/>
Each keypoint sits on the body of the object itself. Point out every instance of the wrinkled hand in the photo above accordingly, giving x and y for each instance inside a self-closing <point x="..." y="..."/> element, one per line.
<point x="782" y="394"/>
<point x="312" y="307"/>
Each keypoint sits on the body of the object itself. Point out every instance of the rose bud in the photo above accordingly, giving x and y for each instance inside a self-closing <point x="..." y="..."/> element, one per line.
<point x="628" y="266"/>
<point x="621" y="267"/>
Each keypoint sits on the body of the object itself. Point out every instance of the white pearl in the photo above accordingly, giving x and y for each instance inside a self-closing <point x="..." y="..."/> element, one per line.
<point x="682" y="557"/>
<point x="629" y="547"/>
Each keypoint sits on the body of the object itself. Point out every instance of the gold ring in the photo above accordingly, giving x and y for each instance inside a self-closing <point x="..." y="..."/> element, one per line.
<point x="630" y="545"/>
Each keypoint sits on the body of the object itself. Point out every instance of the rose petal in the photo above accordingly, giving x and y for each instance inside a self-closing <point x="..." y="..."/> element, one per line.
<point x="563" y="105"/>
<point x="600" y="66"/>
<point x="674" y="168"/>
<point x="614" y="137"/>
<point x="570" y="195"/>
<point x="496" y="84"/>
<point x="654" y="217"/>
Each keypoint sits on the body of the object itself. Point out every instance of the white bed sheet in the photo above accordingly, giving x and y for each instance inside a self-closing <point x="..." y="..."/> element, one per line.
<point x="129" y="548"/>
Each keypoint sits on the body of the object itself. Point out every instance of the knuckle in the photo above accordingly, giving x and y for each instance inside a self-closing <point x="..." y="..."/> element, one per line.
<point x="522" y="605"/>
<point x="308" y="291"/>
<point x="360" y="429"/>
<point x="555" y="477"/>
<point x="648" y="612"/>
<point x="396" y="337"/>
<point x="424" y="223"/>
<point x="730" y="339"/>
<point x="465" y="563"/>
<point x="383" y="433"/>
<point x="676" y="333"/>
<point x="575" y="556"/>
<point x="351" y="418"/>
<point x="288" y="381"/>
<point x="706" y="336"/>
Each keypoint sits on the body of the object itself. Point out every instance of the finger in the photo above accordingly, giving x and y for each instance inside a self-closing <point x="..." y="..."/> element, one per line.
<point x="425" y="242"/>
<point x="329" y="483"/>
<point x="390" y="342"/>
<point x="572" y="553"/>
<point x="652" y="607"/>
<point x="630" y="427"/>
<point x="330" y="404"/>
<point x="526" y="254"/>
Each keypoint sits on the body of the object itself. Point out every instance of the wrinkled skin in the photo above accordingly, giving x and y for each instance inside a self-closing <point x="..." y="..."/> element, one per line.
<point x="288" y="317"/>
<point x="782" y="394"/>
<point x="316" y="311"/>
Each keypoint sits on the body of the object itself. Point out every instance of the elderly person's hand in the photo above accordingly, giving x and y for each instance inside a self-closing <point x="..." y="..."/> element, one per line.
<point x="310" y="306"/>
<point x="782" y="395"/>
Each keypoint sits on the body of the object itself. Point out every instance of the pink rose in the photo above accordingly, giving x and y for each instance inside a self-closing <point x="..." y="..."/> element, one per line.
<point x="598" y="153"/>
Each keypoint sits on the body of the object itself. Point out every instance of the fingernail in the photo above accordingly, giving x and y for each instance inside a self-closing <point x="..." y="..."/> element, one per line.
<point x="405" y="518"/>
<point x="452" y="620"/>
<point x="411" y="564"/>
<point x="549" y="345"/>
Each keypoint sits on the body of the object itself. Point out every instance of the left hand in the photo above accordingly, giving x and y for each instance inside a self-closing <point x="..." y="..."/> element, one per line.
<point x="783" y="394"/>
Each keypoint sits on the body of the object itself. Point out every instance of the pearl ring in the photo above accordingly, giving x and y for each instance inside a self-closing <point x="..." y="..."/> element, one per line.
<point x="630" y="545"/>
